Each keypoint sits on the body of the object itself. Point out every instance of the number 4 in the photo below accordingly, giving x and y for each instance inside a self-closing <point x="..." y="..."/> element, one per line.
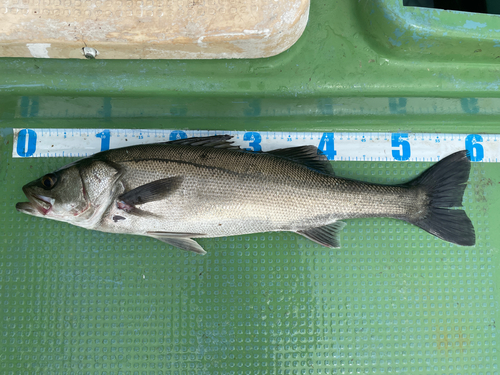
<point x="327" y="146"/>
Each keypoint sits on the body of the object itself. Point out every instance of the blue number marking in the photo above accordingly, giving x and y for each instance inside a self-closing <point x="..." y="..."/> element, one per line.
<point x="26" y="150"/>
<point x="469" y="105"/>
<point x="255" y="139"/>
<point x="401" y="142"/>
<point x="397" y="106"/>
<point x="105" y="135"/>
<point x="177" y="134"/>
<point x="327" y="146"/>
<point x="326" y="106"/>
<point x="476" y="151"/>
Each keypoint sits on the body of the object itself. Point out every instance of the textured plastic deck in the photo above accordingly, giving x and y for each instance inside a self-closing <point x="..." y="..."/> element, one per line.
<point x="393" y="299"/>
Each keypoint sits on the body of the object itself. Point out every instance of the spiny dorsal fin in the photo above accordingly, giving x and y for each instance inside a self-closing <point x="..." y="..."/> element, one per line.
<point x="327" y="235"/>
<point x="216" y="141"/>
<point x="310" y="156"/>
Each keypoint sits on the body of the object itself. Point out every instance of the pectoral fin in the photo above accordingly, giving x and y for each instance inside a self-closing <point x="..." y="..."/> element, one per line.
<point x="150" y="192"/>
<point x="132" y="210"/>
<point x="180" y="240"/>
<point x="327" y="235"/>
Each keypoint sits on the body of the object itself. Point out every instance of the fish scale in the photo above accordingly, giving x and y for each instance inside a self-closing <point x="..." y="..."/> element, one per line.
<point x="279" y="194"/>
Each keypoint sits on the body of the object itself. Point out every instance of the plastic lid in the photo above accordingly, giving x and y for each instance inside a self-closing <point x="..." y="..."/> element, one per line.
<point x="150" y="29"/>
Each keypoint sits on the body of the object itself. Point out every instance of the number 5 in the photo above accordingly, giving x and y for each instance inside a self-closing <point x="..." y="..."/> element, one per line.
<point x="401" y="142"/>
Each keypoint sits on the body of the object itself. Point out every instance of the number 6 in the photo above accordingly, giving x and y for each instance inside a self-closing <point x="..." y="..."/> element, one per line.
<point x="475" y="148"/>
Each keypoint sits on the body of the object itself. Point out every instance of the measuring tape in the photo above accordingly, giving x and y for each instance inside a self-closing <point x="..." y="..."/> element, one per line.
<point x="336" y="146"/>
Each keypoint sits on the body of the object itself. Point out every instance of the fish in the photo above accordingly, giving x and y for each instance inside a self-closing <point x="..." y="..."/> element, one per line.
<point x="205" y="187"/>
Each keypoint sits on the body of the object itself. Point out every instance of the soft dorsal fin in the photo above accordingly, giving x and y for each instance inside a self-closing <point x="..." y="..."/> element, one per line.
<point x="327" y="235"/>
<point x="310" y="156"/>
<point x="216" y="141"/>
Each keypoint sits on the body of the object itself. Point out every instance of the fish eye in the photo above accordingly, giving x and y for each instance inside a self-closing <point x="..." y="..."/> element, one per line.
<point x="48" y="181"/>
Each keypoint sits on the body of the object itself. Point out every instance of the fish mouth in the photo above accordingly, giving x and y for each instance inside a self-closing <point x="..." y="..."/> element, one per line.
<point x="26" y="208"/>
<point x="37" y="204"/>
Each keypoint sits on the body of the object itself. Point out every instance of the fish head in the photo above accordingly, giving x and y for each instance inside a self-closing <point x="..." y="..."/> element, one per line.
<point x="75" y="194"/>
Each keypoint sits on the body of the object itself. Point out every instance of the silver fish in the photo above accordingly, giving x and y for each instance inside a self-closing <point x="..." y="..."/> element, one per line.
<point x="206" y="187"/>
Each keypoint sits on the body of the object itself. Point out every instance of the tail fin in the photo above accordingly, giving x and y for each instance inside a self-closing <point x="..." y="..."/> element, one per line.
<point x="444" y="184"/>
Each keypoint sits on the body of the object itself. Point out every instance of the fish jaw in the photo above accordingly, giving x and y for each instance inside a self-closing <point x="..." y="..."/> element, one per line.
<point x="28" y="208"/>
<point x="38" y="205"/>
<point x="42" y="204"/>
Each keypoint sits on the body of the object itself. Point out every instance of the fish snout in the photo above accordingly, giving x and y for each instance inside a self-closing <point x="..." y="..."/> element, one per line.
<point x="37" y="202"/>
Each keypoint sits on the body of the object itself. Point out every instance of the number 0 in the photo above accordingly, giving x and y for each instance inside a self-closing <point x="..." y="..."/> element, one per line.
<point x="26" y="149"/>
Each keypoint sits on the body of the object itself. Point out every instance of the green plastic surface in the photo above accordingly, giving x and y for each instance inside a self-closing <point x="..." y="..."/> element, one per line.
<point x="393" y="299"/>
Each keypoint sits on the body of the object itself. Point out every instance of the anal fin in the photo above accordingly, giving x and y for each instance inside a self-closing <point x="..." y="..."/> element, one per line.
<point x="327" y="235"/>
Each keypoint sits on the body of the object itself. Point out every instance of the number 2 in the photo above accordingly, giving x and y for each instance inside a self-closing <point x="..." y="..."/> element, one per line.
<point x="177" y="134"/>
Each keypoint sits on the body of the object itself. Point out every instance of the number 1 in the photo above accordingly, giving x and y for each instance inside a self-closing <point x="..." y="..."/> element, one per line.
<point x="105" y="135"/>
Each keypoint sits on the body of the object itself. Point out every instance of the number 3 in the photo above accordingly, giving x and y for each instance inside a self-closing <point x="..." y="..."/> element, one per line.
<point x="255" y="138"/>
